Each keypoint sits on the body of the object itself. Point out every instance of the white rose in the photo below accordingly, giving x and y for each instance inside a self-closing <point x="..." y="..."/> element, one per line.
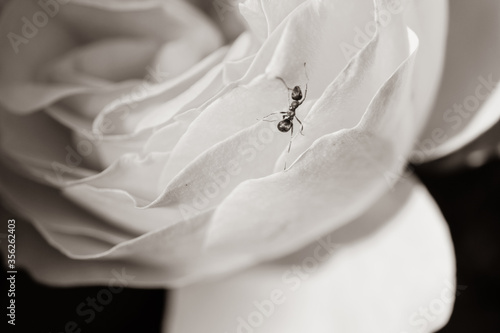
<point x="173" y="179"/>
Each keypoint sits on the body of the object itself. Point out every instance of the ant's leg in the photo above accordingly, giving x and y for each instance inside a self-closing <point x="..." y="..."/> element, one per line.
<point x="301" y="125"/>
<point x="269" y="115"/>
<point x="289" y="145"/>
<point x="287" y="87"/>
<point x="305" y="92"/>
<point x="291" y="139"/>
<point x="281" y="79"/>
<point x="305" y="95"/>
<point x="277" y="112"/>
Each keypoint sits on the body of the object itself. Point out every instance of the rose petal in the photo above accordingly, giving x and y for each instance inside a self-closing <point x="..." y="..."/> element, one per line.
<point x="363" y="76"/>
<point x="165" y="139"/>
<point x="123" y="175"/>
<point x="334" y="24"/>
<point x="102" y="61"/>
<point x="349" y="167"/>
<point x="120" y="208"/>
<point x="63" y="217"/>
<point x="468" y="102"/>
<point x="120" y="5"/>
<point x="272" y="12"/>
<point x="385" y="266"/>
<point x="151" y="105"/>
<point x="252" y="12"/>
<point x="42" y="148"/>
<point x="228" y="116"/>
<point x="174" y="252"/>
<point x="142" y="261"/>
<point x="211" y="177"/>
<point x="89" y="104"/>
<point x="73" y="24"/>
<point x="223" y="118"/>
<point x="150" y="110"/>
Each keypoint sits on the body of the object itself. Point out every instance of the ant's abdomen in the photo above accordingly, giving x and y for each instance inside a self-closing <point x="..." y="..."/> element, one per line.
<point x="285" y="125"/>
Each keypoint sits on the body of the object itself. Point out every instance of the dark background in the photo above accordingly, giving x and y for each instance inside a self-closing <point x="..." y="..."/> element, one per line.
<point x="468" y="197"/>
<point x="470" y="201"/>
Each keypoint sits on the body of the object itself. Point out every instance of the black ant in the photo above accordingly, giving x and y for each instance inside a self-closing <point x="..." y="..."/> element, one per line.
<point x="286" y="124"/>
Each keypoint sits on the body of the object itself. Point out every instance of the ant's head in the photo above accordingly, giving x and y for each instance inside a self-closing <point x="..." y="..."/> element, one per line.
<point x="296" y="93"/>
